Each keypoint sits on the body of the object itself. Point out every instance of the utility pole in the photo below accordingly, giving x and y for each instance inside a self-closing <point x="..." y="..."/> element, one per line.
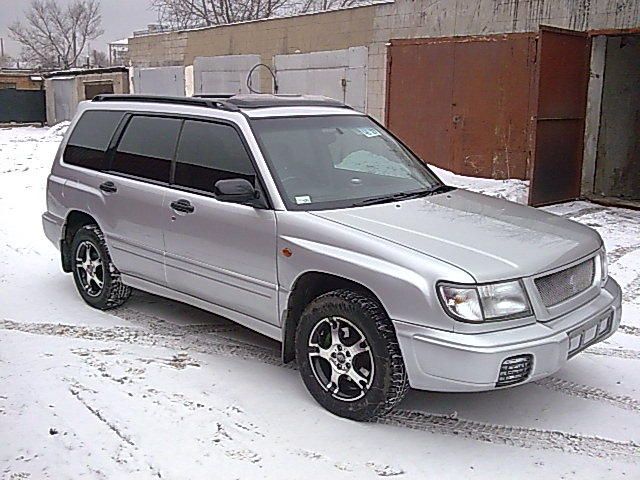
<point x="1" y="47"/>
<point x="75" y="50"/>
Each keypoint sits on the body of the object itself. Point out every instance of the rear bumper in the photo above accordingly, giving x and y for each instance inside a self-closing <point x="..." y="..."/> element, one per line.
<point x="444" y="361"/>
<point x="52" y="227"/>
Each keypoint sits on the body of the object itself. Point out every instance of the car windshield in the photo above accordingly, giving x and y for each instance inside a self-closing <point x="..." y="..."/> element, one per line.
<point x="338" y="161"/>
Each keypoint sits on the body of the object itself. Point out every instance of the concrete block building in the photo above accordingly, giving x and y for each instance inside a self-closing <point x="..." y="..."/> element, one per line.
<point x="534" y="89"/>
<point x="66" y="88"/>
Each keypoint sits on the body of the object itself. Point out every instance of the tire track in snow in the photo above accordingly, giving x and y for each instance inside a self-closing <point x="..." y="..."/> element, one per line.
<point x="614" y="352"/>
<point x="630" y="330"/>
<point x="589" y="393"/>
<point x="617" y="253"/>
<point x="522" y="437"/>
<point x="160" y="325"/>
<point x="137" y="336"/>
<point x="508" y="435"/>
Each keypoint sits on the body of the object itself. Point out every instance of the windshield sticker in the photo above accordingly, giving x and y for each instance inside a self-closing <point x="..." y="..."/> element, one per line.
<point x="368" y="132"/>
<point x="302" y="199"/>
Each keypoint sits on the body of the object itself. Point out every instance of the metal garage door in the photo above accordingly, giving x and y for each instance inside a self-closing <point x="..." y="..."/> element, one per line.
<point x="563" y="60"/>
<point x="464" y="103"/>
<point x="225" y="74"/>
<point x="339" y="74"/>
<point x="159" y="81"/>
<point x="22" y="106"/>
<point x="64" y="99"/>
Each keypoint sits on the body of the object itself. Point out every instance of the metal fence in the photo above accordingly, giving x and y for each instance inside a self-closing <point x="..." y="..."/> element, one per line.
<point x="22" y="106"/>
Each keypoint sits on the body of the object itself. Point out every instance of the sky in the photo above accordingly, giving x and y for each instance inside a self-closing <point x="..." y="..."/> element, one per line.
<point x="119" y="19"/>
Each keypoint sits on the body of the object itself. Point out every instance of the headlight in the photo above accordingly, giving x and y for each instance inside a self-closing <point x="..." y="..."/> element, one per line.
<point x="602" y="267"/>
<point x="480" y="303"/>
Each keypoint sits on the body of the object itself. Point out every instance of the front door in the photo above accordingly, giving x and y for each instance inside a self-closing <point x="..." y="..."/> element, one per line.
<point x="222" y="253"/>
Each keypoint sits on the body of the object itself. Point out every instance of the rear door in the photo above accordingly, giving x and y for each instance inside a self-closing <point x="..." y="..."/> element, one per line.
<point x="219" y="252"/>
<point x="133" y="189"/>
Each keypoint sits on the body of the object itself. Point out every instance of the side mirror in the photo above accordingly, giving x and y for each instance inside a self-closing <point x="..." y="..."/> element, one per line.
<point x="235" y="190"/>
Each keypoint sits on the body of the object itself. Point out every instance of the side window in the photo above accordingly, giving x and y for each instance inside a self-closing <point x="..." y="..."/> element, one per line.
<point x="147" y="147"/>
<point x="90" y="138"/>
<point x="209" y="152"/>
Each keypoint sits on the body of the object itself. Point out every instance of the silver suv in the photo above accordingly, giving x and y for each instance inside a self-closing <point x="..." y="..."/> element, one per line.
<point x="308" y="222"/>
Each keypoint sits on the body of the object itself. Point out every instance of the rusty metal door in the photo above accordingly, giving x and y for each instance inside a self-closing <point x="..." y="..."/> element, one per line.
<point x="420" y="97"/>
<point x="464" y="103"/>
<point x="563" y="73"/>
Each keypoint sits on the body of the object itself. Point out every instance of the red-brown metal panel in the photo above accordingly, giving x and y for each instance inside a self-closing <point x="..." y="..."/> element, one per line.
<point x="464" y="103"/>
<point x="563" y="73"/>
<point x="419" y="98"/>
<point x="491" y="103"/>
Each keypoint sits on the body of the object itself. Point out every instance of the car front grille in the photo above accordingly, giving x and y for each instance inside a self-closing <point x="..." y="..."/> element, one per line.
<point x="560" y="286"/>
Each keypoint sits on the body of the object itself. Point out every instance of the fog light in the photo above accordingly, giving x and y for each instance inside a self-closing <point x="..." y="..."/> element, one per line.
<point x="515" y="370"/>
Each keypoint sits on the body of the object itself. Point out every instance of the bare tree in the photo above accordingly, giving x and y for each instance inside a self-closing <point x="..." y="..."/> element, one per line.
<point x="181" y="14"/>
<point x="6" y="61"/>
<point x="99" y="58"/>
<point x="55" y="36"/>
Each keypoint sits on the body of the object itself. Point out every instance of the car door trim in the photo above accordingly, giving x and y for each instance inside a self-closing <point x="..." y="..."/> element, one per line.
<point x="256" y="324"/>
<point x="229" y="273"/>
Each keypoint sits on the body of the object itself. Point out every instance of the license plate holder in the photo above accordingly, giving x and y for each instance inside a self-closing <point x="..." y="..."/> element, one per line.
<point x="586" y="335"/>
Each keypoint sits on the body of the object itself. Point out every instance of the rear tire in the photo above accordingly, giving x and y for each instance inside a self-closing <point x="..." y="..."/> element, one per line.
<point x="349" y="357"/>
<point x="96" y="277"/>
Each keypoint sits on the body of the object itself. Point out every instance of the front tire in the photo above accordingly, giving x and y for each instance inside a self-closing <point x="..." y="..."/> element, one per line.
<point x="96" y="277"/>
<point x="349" y="356"/>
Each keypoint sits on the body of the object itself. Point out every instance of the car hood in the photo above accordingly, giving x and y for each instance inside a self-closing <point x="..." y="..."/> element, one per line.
<point x="490" y="238"/>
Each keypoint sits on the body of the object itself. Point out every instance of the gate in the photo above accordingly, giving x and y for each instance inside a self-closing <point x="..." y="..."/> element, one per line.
<point x="226" y="74"/>
<point x="339" y="74"/>
<point x="495" y="106"/>
<point x="22" y="106"/>
<point x="159" y="81"/>
<point x="563" y="76"/>
<point x="464" y="103"/>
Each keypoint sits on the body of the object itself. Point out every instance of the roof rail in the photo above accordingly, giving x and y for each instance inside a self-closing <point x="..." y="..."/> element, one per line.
<point x="220" y="104"/>
<point x="214" y="95"/>
<point x="266" y="100"/>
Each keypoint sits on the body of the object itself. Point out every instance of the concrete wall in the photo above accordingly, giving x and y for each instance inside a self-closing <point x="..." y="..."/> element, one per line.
<point x="618" y="157"/>
<point x="592" y="117"/>
<point x="373" y="26"/>
<point x="22" y="82"/>
<point x="303" y="34"/>
<point x="416" y="19"/>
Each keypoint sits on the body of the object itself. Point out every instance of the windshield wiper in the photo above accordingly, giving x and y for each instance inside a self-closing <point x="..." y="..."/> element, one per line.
<point x="441" y="189"/>
<point x="403" y="196"/>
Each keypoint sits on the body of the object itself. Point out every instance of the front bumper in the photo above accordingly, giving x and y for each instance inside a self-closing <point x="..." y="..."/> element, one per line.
<point x="444" y="361"/>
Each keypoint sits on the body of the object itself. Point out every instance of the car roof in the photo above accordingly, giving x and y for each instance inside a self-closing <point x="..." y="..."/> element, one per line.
<point x="252" y="105"/>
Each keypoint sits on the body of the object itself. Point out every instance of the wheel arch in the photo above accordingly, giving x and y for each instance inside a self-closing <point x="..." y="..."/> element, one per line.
<point x="75" y="220"/>
<point x="308" y="286"/>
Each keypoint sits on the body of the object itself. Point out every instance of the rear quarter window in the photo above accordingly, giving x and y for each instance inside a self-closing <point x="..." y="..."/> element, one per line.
<point x="90" y="138"/>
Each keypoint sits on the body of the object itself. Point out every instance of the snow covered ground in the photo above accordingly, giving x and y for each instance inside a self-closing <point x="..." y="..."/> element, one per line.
<point x="157" y="389"/>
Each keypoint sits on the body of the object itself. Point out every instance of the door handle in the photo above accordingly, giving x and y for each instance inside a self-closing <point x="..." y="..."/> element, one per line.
<point x="183" y="206"/>
<point x="108" y="187"/>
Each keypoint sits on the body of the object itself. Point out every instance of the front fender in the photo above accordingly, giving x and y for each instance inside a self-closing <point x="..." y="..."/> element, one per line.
<point x="402" y="279"/>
